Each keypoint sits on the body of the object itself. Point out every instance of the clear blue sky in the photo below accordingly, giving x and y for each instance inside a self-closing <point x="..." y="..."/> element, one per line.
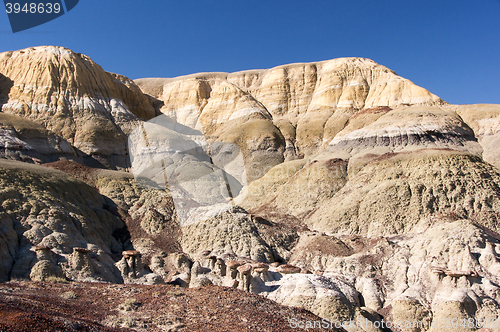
<point x="452" y="48"/>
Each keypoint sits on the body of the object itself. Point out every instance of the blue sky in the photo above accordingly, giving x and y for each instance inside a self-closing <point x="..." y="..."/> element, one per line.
<point x="451" y="48"/>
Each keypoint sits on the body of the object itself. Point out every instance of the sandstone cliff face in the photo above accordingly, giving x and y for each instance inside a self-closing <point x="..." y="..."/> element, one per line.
<point x="404" y="129"/>
<point x="75" y="99"/>
<point x="383" y="157"/>
<point x="310" y="103"/>
<point x="362" y="194"/>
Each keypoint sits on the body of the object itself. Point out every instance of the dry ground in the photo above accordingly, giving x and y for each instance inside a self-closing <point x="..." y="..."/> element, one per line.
<point x="47" y="306"/>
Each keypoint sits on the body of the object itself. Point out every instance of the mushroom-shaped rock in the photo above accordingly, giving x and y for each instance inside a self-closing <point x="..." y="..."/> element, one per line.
<point x="234" y="264"/>
<point x="245" y="277"/>
<point x="260" y="267"/>
<point x="130" y="253"/>
<point x="130" y="265"/>
<point x="245" y="269"/>
<point x="81" y="262"/>
<point x="288" y="269"/>
<point x="46" y="266"/>
<point x="43" y="253"/>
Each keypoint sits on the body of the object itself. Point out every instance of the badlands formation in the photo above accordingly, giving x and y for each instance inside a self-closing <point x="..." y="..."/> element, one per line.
<point x="338" y="187"/>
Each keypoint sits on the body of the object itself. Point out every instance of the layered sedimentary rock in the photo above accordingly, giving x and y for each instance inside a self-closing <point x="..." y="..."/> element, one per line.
<point x="394" y="193"/>
<point x="484" y="119"/>
<point x="336" y="186"/>
<point x="75" y="99"/>
<point x="404" y="129"/>
<point x="25" y="140"/>
<point x="309" y="103"/>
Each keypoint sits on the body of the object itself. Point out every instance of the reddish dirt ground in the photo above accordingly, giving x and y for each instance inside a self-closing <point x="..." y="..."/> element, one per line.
<point x="81" y="172"/>
<point x="44" y="306"/>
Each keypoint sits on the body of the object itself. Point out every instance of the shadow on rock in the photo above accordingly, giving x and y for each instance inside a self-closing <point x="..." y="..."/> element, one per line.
<point x="5" y="85"/>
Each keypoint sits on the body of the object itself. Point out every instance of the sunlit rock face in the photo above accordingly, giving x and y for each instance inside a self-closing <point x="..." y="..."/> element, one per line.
<point x="396" y="191"/>
<point x="484" y="119"/>
<point x="335" y="186"/>
<point x="75" y="99"/>
<point x="309" y="103"/>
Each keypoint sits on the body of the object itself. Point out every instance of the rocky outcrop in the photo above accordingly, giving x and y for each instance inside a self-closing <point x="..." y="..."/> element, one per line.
<point x="148" y="213"/>
<point x="484" y="119"/>
<point x="403" y="129"/>
<point x="130" y="265"/>
<point x="405" y="273"/>
<point x="393" y="194"/>
<point x="445" y="268"/>
<point x="46" y="266"/>
<point x="55" y="226"/>
<point x="75" y="100"/>
<point x="81" y="262"/>
<point x="28" y="141"/>
<point x="232" y="232"/>
<point x="132" y="269"/>
<point x="336" y="186"/>
<point x="309" y="103"/>
<point x="316" y="251"/>
<point x="46" y="215"/>
<point x="329" y="298"/>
